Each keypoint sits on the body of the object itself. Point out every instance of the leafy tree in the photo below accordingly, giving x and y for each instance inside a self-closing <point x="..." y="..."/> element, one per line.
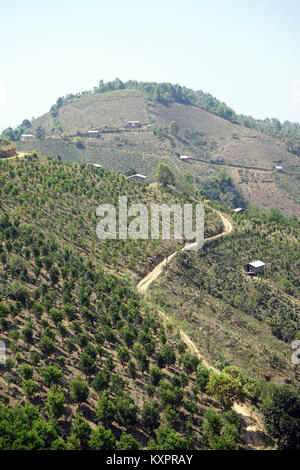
<point x="105" y="410"/>
<point x="51" y="375"/>
<point x="173" y="127"/>
<point x="81" y="429"/>
<point x="150" y="416"/>
<point x="202" y="378"/>
<point x="29" y="387"/>
<point x="87" y="364"/>
<point x="126" y="411"/>
<point x="128" y="442"/>
<point x="54" y="275"/>
<point x="102" y="439"/>
<point x="123" y="355"/>
<point x="155" y="375"/>
<point x="27" y="333"/>
<point x="101" y="381"/>
<point x="213" y="424"/>
<point x="40" y="133"/>
<point x="226" y="388"/>
<point x="171" y="418"/>
<point x="131" y="369"/>
<point x="55" y="402"/>
<point x="37" y="310"/>
<point x="170" y="395"/>
<point x="56" y="315"/>
<point x="190" y="362"/>
<point x="23" y="428"/>
<point x="79" y="390"/>
<point x="168" y="355"/>
<point x="46" y="346"/>
<point x="281" y="414"/>
<point x="26" y="371"/>
<point x="168" y="439"/>
<point x="164" y="175"/>
<point x="223" y="442"/>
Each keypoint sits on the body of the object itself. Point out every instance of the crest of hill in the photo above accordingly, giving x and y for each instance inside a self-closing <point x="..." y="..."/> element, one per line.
<point x="174" y="121"/>
<point x="203" y="122"/>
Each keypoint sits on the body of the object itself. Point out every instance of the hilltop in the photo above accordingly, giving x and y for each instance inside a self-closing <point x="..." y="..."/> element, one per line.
<point x="174" y="121"/>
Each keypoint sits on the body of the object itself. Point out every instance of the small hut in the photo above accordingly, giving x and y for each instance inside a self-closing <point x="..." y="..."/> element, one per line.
<point x="137" y="177"/>
<point x="238" y="210"/>
<point x="184" y="158"/>
<point x="255" y="267"/>
<point x="27" y="137"/>
<point x="134" y="124"/>
<point x="93" y="133"/>
<point x="278" y="168"/>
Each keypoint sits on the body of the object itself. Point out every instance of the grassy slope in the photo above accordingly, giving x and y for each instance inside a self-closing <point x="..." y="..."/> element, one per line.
<point x="234" y="318"/>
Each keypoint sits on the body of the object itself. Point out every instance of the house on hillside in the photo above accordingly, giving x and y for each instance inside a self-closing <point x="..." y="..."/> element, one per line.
<point x="134" y="124"/>
<point x="255" y="267"/>
<point x="137" y="177"/>
<point x="238" y="210"/>
<point x="97" y="165"/>
<point x="27" y="137"/>
<point x="184" y="158"/>
<point x="93" y="133"/>
<point x="278" y="168"/>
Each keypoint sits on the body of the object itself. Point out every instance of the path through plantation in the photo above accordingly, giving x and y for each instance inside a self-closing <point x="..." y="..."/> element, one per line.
<point x="256" y="427"/>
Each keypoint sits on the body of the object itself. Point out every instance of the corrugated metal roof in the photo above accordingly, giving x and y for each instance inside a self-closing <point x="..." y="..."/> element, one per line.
<point x="257" y="264"/>
<point x="136" y="176"/>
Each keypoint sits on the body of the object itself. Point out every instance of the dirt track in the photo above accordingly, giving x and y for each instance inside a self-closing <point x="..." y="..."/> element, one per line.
<point x="144" y="284"/>
<point x="255" y="429"/>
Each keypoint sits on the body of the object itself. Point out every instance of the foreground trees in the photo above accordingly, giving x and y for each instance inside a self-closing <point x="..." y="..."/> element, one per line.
<point x="282" y="418"/>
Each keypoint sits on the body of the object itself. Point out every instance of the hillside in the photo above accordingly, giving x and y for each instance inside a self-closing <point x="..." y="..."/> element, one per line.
<point x="214" y="142"/>
<point x="89" y="362"/>
<point x="80" y="347"/>
<point x="235" y="319"/>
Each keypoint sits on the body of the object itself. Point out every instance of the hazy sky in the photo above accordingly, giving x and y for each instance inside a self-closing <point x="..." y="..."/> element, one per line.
<point x="244" y="52"/>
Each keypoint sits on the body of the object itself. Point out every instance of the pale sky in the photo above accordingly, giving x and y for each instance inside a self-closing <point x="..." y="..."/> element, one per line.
<point x="244" y="52"/>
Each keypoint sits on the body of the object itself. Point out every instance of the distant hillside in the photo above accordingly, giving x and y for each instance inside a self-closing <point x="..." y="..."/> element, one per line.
<point x="174" y="121"/>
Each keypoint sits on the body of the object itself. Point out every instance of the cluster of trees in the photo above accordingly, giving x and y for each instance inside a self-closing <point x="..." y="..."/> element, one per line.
<point x="48" y="193"/>
<point x="221" y="188"/>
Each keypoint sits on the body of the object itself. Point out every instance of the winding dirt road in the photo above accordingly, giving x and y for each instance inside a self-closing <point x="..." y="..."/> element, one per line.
<point x="255" y="429"/>
<point x="144" y="284"/>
